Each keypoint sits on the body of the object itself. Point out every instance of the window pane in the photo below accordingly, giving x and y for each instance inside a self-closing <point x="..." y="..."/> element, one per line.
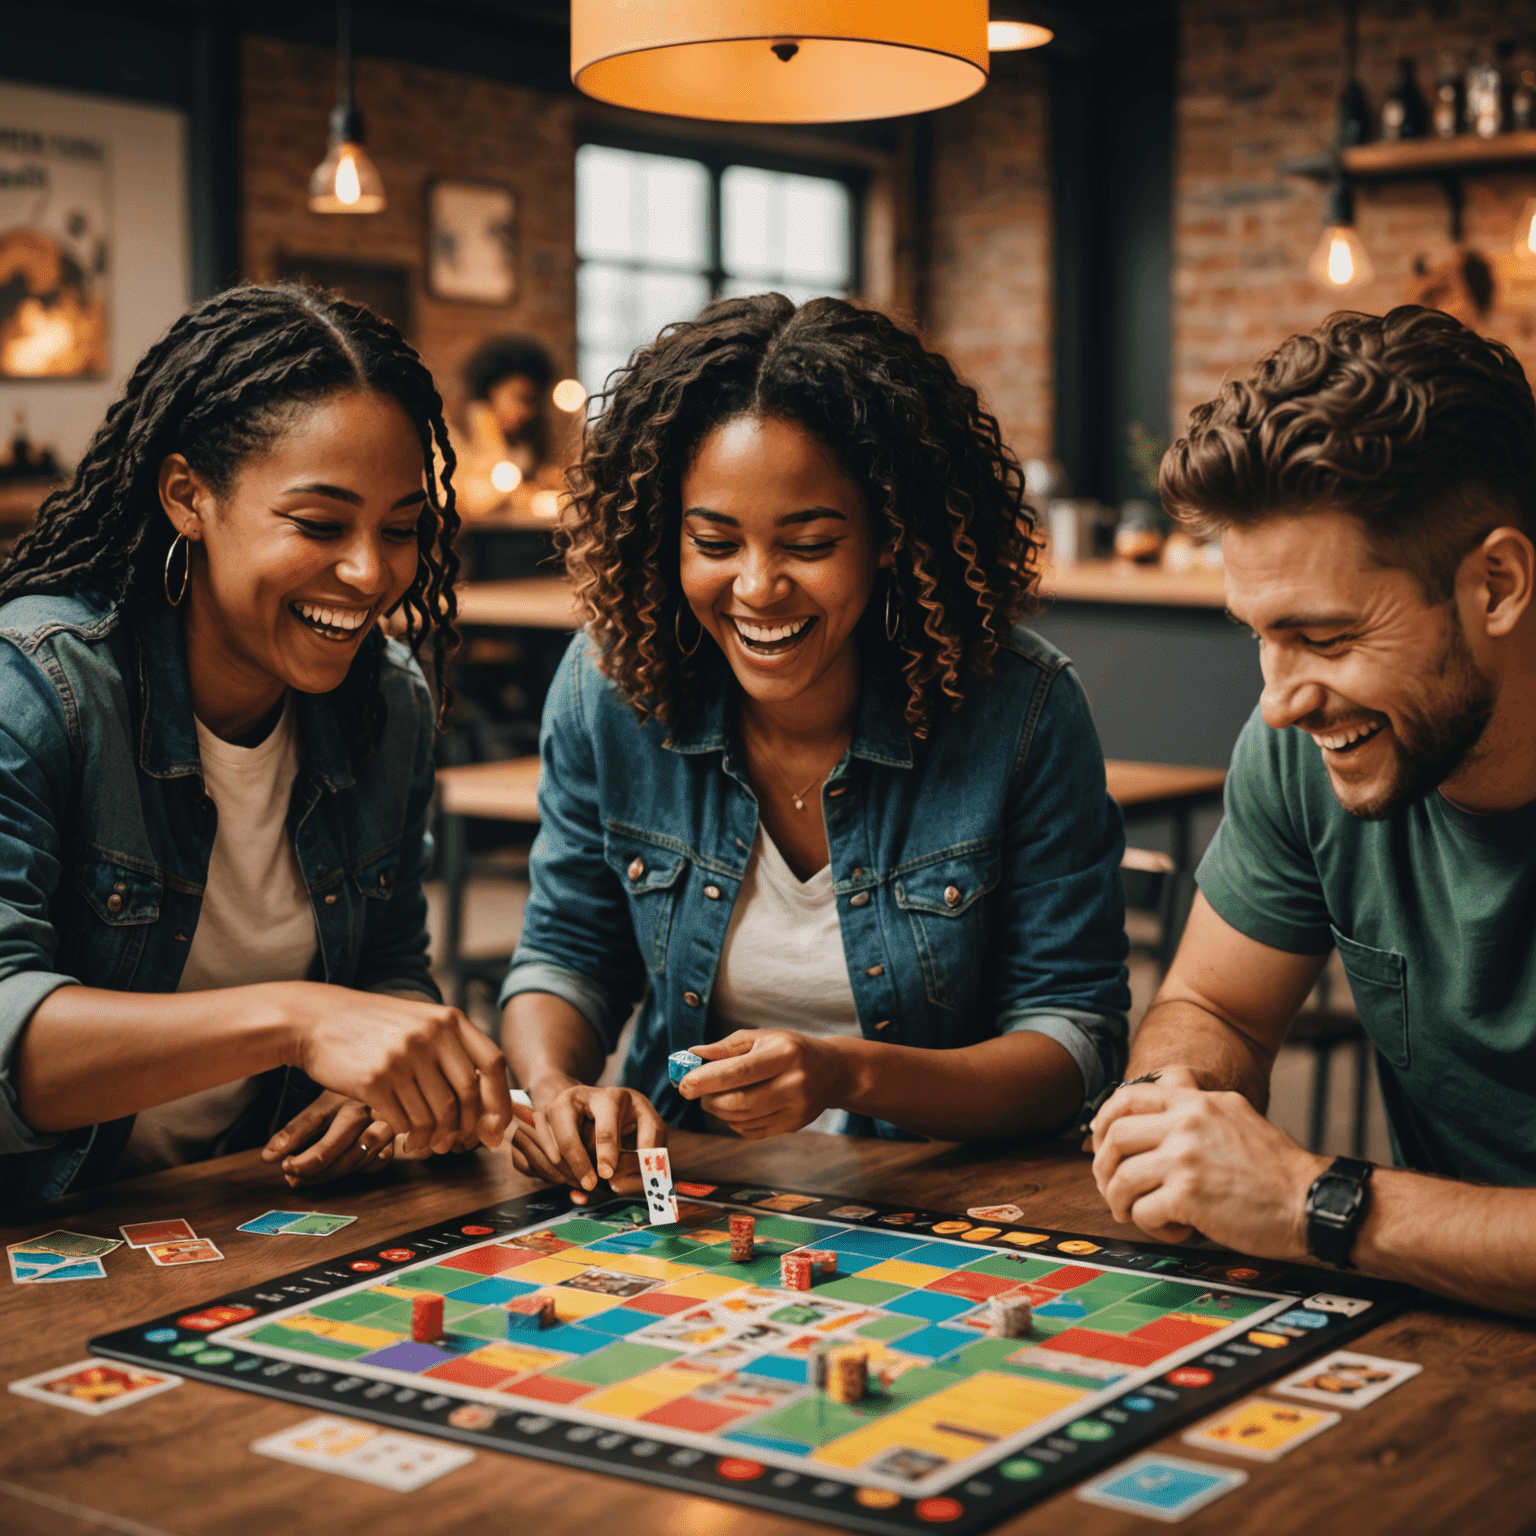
<point x="621" y="308"/>
<point x="816" y="230"/>
<point x="674" y="203"/>
<point x="605" y="223"/>
<point x="751" y="218"/>
<point x="665" y="297"/>
<point x="785" y="229"/>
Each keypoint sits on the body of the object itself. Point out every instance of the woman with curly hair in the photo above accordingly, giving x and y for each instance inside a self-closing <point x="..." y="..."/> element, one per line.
<point x="808" y="788"/>
<point x="215" y="771"/>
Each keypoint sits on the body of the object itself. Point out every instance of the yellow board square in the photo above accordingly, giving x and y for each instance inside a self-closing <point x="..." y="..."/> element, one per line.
<point x="624" y="1401"/>
<point x="703" y="1287"/>
<point x="404" y="1292"/>
<point x="899" y="1272"/>
<point x="1203" y="1318"/>
<point x="357" y="1333"/>
<point x="552" y="1270"/>
<point x="513" y="1357"/>
<point x="651" y="1269"/>
<point x="571" y="1305"/>
<point x="709" y="1235"/>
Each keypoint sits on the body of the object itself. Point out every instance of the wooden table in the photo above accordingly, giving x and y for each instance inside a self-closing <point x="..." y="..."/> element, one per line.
<point x="1448" y="1451"/>
<point x="1121" y="581"/>
<point x="529" y="602"/>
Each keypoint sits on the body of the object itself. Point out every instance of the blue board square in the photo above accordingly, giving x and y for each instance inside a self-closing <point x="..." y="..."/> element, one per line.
<point x="933" y="1305"/>
<point x="635" y="1241"/>
<point x="618" y="1320"/>
<point x="571" y="1339"/>
<point x="781" y="1367"/>
<point x="934" y="1342"/>
<point x="493" y="1291"/>
<point x="772" y="1443"/>
<point x="949" y="1255"/>
<point x="884" y="1245"/>
<point x="409" y="1357"/>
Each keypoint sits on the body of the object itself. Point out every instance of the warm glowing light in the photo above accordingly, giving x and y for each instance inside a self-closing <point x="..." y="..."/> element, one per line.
<point x="1340" y="260"/>
<point x="569" y="395"/>
<point x="1525" y="232"/>
<point x="347" y="188"/>
<point x="506" y="476"/>
<point x="545" y="504"/>
<point x="346" y="181"/>
<point x="1011" y="36"/>
<point x="1341" y="265"/>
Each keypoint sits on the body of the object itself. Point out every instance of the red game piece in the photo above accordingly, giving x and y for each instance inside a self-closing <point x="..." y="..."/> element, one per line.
<point x="742" y="1227"/>
<point x="426" y="1319"/>
<point x="526" y="1314"/>
<point x="824" y="1259"/>
<point x="795" y="1272"/>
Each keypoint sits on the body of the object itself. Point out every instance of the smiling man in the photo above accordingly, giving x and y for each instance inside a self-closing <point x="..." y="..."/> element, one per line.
<point x="1375" y="488"/>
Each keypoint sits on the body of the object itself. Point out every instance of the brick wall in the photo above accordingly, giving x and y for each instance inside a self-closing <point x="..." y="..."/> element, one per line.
<point x="422" y="124"/>
<point x="1258" y="82"/>
<point x="989" y="266"/>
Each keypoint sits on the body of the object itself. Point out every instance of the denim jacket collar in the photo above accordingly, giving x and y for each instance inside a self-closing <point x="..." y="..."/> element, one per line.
<point x="880" y="733"/>
<point x="168" y="736"/>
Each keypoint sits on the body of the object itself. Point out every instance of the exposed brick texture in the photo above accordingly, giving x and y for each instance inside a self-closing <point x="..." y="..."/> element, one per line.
<point x="1258" y="82"/>
<point x="422" y="124"/>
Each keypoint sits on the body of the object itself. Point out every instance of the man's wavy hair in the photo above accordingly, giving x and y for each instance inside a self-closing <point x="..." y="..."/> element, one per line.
<point x="1420" y="427"/>
<point x="940" y="485"/>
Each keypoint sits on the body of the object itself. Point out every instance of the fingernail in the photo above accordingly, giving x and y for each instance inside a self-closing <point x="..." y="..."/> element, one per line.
<point x="605" y="1170"/>
<point x="589" y="1182"/>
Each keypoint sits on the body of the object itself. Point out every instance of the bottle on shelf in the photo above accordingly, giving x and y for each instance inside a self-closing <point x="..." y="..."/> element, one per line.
<point x="1447" y="110"/>
<point x="1485" y="97"/>
<point x="1354" y="116"/>
<point x="1522" y="102"/>
<point x="1405" y="113"/>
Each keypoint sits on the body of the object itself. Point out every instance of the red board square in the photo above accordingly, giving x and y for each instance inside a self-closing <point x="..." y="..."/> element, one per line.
<point x="1066" y="1277"/>
<point x="550" y="1389"/>
<point x="661" y="1305"/>
<point x="1105" y="1346"/>
<point x="490" y="1260"/>
<point x="470" y="1373"/>
<point x="699" y="1418"/>
<point x="972" y="1286"/>
<point x="1172" y="1333"/>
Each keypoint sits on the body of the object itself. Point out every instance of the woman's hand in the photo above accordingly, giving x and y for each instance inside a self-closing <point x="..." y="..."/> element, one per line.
<point x="765" y="1082"/>
<point x="328" y="1139"/>
<point x="578" y="1134"/>
<point x="426" y="1071"/>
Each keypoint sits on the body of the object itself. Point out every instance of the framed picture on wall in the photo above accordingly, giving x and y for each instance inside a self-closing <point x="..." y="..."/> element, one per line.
<point x="470" y="228"/>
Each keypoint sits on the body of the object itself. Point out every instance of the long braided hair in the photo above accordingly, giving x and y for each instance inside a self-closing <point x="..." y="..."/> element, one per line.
<point x="218" y="387"/>
<point x="942" y="488"/>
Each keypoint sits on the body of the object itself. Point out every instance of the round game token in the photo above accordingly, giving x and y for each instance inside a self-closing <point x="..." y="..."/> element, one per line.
<point x="938" y="1511"/>
<point x="364" y="1266"/>
<point x="397" y="1255"/>
<point x="877" y="1498"/>
<point x="738" y="1469"/>
<point x="1021" y="1469"/>
<point x="1077" y="1245"/>
<point x="160" y="1336"/>
<point x="1241" y="1275"/>
<point x="1191" y="1376"/>
<point x="1138" y="1404"/>
<point x="476" y="1231"/>
<point x="186" y="1347"/>
<point x="1089" y="1429"/>
<point x="214" y="1356"/>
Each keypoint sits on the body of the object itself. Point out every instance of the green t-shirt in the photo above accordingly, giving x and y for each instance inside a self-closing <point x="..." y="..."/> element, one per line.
<point x="1434" y="915"/>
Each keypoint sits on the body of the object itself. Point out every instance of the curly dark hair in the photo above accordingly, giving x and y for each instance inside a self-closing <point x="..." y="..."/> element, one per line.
<point x="943" y="489"/>
<point x="218" y="387"/>
<point x="1411" y="421"/>
<point x="505" y="357"/>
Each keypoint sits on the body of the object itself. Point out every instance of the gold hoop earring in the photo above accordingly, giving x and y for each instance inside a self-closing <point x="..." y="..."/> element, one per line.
<point x="186" y="570"/>
<point x="677" y="629"/>
<point x="892" y="623"/>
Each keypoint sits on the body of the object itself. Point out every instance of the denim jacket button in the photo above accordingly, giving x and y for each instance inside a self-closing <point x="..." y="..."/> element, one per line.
<point x="875" y="970"/>
<point x="883" y="1024"/>
<point x="330" y="900"/>
<point x="952" y="897"/>
<point x="636" y="868"/>
<point x="713" y="892"/>
<point x="114" y="902"/>
<point x="859" y="899"/>
<point x="692" y="999"/>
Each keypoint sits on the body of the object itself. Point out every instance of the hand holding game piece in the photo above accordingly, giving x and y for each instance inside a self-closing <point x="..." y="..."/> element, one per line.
<point x="579" y="1135"/>
<point x="766" y="1082"/>
<point x="328" y="1139"/>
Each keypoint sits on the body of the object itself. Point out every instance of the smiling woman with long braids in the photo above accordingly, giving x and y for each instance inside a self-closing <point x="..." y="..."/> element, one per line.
<point x="809" y="789"/>
<point x="215" y="771"/>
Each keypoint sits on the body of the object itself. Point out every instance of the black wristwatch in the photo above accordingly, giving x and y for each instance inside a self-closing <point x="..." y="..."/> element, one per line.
<point x="1336" y="1205"/>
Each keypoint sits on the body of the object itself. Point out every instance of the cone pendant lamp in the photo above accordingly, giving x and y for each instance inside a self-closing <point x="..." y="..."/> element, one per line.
<point x="780" y="61"/>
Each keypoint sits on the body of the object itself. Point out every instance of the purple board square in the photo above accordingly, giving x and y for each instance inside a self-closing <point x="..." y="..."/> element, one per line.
<point x="408" y="1357"/>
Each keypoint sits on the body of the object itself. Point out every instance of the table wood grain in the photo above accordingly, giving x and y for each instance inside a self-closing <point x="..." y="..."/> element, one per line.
<point x="1451" y="1450"/>
<point x="527" y="602"/>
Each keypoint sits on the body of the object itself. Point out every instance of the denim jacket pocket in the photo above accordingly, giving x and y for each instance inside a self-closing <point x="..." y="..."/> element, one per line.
<point x="942" y="898"/>
<point x="648" y="872"/>
<point x="1378" y="981"/>
<point x="125" y="901"/>
<point x="375" y="878"/>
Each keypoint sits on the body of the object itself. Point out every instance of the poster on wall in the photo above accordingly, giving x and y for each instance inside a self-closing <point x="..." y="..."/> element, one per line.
<point x="470" y="242"/>
<point x="55" y="246"/>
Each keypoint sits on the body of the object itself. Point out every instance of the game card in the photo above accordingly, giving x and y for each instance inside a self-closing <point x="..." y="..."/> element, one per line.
<point x="656" y="1175"/>
<point x="74" y="1245"/>
<point x="1161" y="1487"/>
<point x="386" y="1458"/>
<point x="1260" y="1429"/>
<point x="852" y="1212"/>
<point x="94" y="1386"/>
<point x="995" y="1213"/>
<point x="1346" y="1380"/>
<point x="198" y="1251"/>
<point x="141" y="1234"/>
<point x="72" y="1269"/>
<point x="28" y="1266"/>
<point x="272" y="1222"/>
<point x="317" y="1224"/>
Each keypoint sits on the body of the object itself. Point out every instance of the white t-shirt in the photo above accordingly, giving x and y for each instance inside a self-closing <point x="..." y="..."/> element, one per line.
<point x="782" y="966"/>
<point x="256" y="924"/>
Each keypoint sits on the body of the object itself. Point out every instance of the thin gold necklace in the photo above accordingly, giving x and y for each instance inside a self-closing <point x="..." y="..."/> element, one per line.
<point x="799" y="798"/>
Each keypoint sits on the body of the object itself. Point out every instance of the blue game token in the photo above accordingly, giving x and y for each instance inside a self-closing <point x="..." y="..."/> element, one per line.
<point x="1138" y="1404"/>
<point x="681" y="1063"/>
<point x="160" y="1336"/>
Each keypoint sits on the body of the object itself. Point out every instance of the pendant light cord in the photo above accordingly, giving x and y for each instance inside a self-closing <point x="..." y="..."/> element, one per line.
<point x="344" y="53"/>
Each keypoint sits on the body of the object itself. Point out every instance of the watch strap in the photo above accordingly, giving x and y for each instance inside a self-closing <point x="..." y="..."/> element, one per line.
<point x="1331" y="1232"/>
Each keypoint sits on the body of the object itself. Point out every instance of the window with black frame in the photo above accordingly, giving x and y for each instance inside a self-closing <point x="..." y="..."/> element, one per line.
<point x="659" y="235"/>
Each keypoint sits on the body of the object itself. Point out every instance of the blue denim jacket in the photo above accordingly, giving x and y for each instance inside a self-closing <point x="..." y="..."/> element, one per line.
<point x="106" y="831"/>
<point x="645" y="837"/>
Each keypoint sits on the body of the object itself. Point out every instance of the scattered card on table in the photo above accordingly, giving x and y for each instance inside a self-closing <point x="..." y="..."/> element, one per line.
<point x="198" y="1251"/>
<point x="656" y="1175"/>
<point x="94" y="1386"/>
<point x="141" y="1234"/>
<point x="389" y="1459"/>
<point x="1346" y="1380"/>
<point x="72" y="1269"/>
<point x="995" y="1213"/>
<point x="76" y="1245"/>
<point x="272" y="1222"/>
<point x="28" y="1266"/>
<point x="1161" y="1487"/>
<point x="318" y="1224"/>
<point x="1260" y="1429"/>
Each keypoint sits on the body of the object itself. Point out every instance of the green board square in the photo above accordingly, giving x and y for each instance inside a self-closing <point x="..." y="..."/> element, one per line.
<point x="1237" y="1306"/>
<point x="868" y="1293"/>
<point x="763" y="1271"/>
<point x="1117" y="1284"/>
<point x="1123" y="1317"/>
<point x="1049" y="1327"/>
<point x="681" y="1250"/>
<point x="486" y="1323"/>
<point x="816" y="1420"/>
<point x="784" y="1229"/>
<point x="1098" y="1293"/>
<point x="1056" y="1378"/>
<point x="581" y="1229"/>
<point x="307" y="1343"/>
<point x="397" y="1315"/>
<point x="1170" y="1295"/>
<point x="617" y="1362"/>
<point x="984" y="1355"/>
<point x="436" y="1278"/>
<point x="1008" y="1267"/>
<point x="891" y="1327"/>
<point x="456" y="1311"/>
<point x="920" y="1381"/>
<point x="347" y="1309"/>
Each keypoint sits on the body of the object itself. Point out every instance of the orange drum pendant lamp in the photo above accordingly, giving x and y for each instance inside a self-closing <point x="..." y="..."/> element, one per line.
<point x="780" y="61"/>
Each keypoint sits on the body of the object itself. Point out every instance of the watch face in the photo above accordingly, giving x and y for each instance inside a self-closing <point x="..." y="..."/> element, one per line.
<point x="1336" y="1197"/>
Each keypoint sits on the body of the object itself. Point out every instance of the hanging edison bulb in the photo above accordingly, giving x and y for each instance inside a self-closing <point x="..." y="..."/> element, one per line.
<point x="347" y="180"/>
<point x="1525" y="232"/>
<point x="1340" y="259"/>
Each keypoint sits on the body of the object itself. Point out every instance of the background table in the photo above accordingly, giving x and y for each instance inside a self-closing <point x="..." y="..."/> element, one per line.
<point x="1448" y="1451"/>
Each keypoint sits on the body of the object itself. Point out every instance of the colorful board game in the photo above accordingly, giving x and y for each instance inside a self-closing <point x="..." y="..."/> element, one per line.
<point x="667" y="1361"/>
